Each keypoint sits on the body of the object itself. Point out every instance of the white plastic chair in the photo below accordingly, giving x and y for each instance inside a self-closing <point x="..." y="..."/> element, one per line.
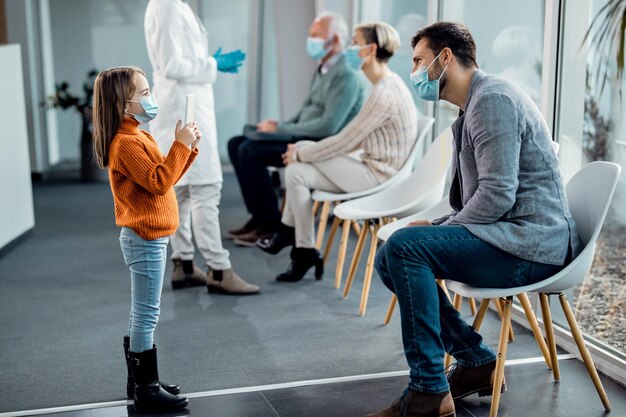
<point x="424" y="124"/>
<point x="589" y="193"/>
<point x="422" y="189"/>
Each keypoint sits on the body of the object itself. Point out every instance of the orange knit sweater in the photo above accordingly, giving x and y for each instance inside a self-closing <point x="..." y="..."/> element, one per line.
<point x="142" y="181"/>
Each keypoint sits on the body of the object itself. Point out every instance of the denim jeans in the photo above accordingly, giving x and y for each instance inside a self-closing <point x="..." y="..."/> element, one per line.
<point x="408" y="265"/>
<point x="146" y="261"/>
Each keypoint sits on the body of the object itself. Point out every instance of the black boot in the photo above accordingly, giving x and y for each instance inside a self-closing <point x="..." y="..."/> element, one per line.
<point x="149" y="395"/>
<point x="302" y="259"/>
<point x="130" y="382"/>
<point x="285" y="236"/>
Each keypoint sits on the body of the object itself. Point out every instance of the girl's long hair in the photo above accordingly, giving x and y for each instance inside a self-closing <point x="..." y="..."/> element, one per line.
<point x="112" y="88"/>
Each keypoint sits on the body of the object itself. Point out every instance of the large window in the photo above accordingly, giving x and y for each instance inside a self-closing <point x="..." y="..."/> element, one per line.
<point x="592" y="126"/>
<point x="111" y="34"/>
<point x="510" y="45"/>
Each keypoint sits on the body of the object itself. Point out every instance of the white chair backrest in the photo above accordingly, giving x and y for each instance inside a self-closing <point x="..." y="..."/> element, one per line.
<point x="424" y="124"/>
<point x="424" y="187"/>
<point x="433" y="212"/>
<point x="589" y="193"/>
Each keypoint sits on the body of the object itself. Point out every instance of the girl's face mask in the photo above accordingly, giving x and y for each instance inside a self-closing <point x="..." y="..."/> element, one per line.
<point x="150" y="109"/>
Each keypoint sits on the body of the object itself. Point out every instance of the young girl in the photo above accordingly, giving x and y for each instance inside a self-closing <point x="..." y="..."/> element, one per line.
<point x="142" y="182"/>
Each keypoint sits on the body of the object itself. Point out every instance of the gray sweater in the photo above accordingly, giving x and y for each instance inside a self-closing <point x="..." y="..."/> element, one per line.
<point x="385" y="130"/>
<point x="506" y="187"/>
<point x="334" y="99"/>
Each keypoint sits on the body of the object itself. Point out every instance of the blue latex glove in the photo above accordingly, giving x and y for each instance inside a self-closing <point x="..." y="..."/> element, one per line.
<point x="229" y="62"/>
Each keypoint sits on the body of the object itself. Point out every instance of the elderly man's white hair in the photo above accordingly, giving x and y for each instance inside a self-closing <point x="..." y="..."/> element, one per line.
<point x="337" y="26"/>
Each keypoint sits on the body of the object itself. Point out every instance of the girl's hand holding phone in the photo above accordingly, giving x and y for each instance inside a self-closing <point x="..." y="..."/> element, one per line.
<point x="188" y="134"/>
<point x="198" y="136"/>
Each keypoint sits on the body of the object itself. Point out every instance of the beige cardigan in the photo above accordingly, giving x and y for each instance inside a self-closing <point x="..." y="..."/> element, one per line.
<point x="385" y="130"/>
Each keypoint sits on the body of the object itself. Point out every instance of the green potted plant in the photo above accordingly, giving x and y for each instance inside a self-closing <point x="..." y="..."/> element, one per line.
<point x="83" y="104"/>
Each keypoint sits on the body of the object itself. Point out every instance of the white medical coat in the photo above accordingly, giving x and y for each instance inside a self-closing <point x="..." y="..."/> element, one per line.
<point x="178" y="48"/>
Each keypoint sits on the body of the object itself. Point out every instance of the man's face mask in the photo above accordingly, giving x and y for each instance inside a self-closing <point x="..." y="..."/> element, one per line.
<point x="150" y="109"/>
<point x="425" y="88"/>
<point x="316" y="49"/>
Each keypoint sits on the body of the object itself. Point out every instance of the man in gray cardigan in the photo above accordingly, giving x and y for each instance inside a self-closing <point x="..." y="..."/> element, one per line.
<point x="336" y="95"/>
<point x="510" y="226"/>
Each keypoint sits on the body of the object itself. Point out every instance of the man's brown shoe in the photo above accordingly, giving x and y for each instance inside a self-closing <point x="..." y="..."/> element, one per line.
<point x="467" y="381"/>
<point x="419" y="404"/>
<point x="187" y="274"/>
<point x="250" y="238"/>
<point x="246" y="228"/>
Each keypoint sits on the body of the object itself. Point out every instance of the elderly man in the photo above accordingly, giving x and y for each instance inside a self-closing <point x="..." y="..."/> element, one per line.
<point x="511" y="225"/>
<point x="335" y="97"/>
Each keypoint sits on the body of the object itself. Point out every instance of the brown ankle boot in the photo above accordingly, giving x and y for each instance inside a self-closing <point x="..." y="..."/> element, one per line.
<point x="228" y="282"/>
<point x="419" y="404"/>
<point x="467" y="381"/>
<point x="187" y="274"/>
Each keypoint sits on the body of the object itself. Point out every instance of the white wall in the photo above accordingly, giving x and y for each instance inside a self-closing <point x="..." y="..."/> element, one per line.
<point x="16" y="207"/>
<point x="23" y="28"/>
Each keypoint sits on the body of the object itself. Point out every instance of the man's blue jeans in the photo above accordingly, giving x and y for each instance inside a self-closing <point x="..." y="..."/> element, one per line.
<point x="408" y="265"/>
<point x="146" y="261"/>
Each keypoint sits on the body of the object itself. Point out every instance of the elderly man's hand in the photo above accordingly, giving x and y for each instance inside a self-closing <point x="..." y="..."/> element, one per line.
<point x="267" y="126"/>
<point x="419" y="223"/>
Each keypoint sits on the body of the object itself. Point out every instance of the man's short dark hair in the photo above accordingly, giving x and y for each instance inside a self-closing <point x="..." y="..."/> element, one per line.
<point x="451" y="35"/>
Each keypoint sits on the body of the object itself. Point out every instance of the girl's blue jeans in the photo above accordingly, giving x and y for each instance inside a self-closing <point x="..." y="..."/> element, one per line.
<point x="146" y="261"/>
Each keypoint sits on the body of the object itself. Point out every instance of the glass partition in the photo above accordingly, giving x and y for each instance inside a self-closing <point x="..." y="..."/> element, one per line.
<point x="592" y="127"/>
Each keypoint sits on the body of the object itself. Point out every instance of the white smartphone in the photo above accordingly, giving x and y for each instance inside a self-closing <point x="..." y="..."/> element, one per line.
<point x="190" y="108"/>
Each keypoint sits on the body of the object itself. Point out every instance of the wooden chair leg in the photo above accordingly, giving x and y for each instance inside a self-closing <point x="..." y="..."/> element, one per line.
<point x="442" y="284"/>
<point x="480" y="315"/>
<point x="331" y="238"/>
<point x="321" y="227"/>
<point x="580" y="342"/>
<point x="356" y="228"/>
<point x="369" y="270"/>
<point x="390" y="309"/>
<point x="501" y="359"/>
<point x="532" y="320"/>
<point x="472" y="304"/>
<point x="316" y="207"/>
<point x="498" y="303"/>
<point x="458" y="300"/>
<point x="341" y="257"/>
<point x="356" y="258"/>
<point x="547" y="322"/>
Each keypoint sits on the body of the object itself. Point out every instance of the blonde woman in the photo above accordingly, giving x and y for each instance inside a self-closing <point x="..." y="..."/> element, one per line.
<point x="367" y="152"/>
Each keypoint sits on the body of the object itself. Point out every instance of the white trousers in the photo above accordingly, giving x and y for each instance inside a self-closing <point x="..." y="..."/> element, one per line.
<point x="198" y="211"/>
<point x="338" y="174"/>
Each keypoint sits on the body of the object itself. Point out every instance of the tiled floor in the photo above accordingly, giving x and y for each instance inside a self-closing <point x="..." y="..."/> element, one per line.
<point x="532" y="393"/>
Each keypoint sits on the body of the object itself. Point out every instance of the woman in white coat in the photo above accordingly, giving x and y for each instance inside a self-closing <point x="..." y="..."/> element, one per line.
<point x="178" y="49"/>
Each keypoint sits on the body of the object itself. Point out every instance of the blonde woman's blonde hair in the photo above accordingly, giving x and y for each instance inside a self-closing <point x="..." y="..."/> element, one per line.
<point x="112" y="88"/>
<point x="385" y="37"/>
